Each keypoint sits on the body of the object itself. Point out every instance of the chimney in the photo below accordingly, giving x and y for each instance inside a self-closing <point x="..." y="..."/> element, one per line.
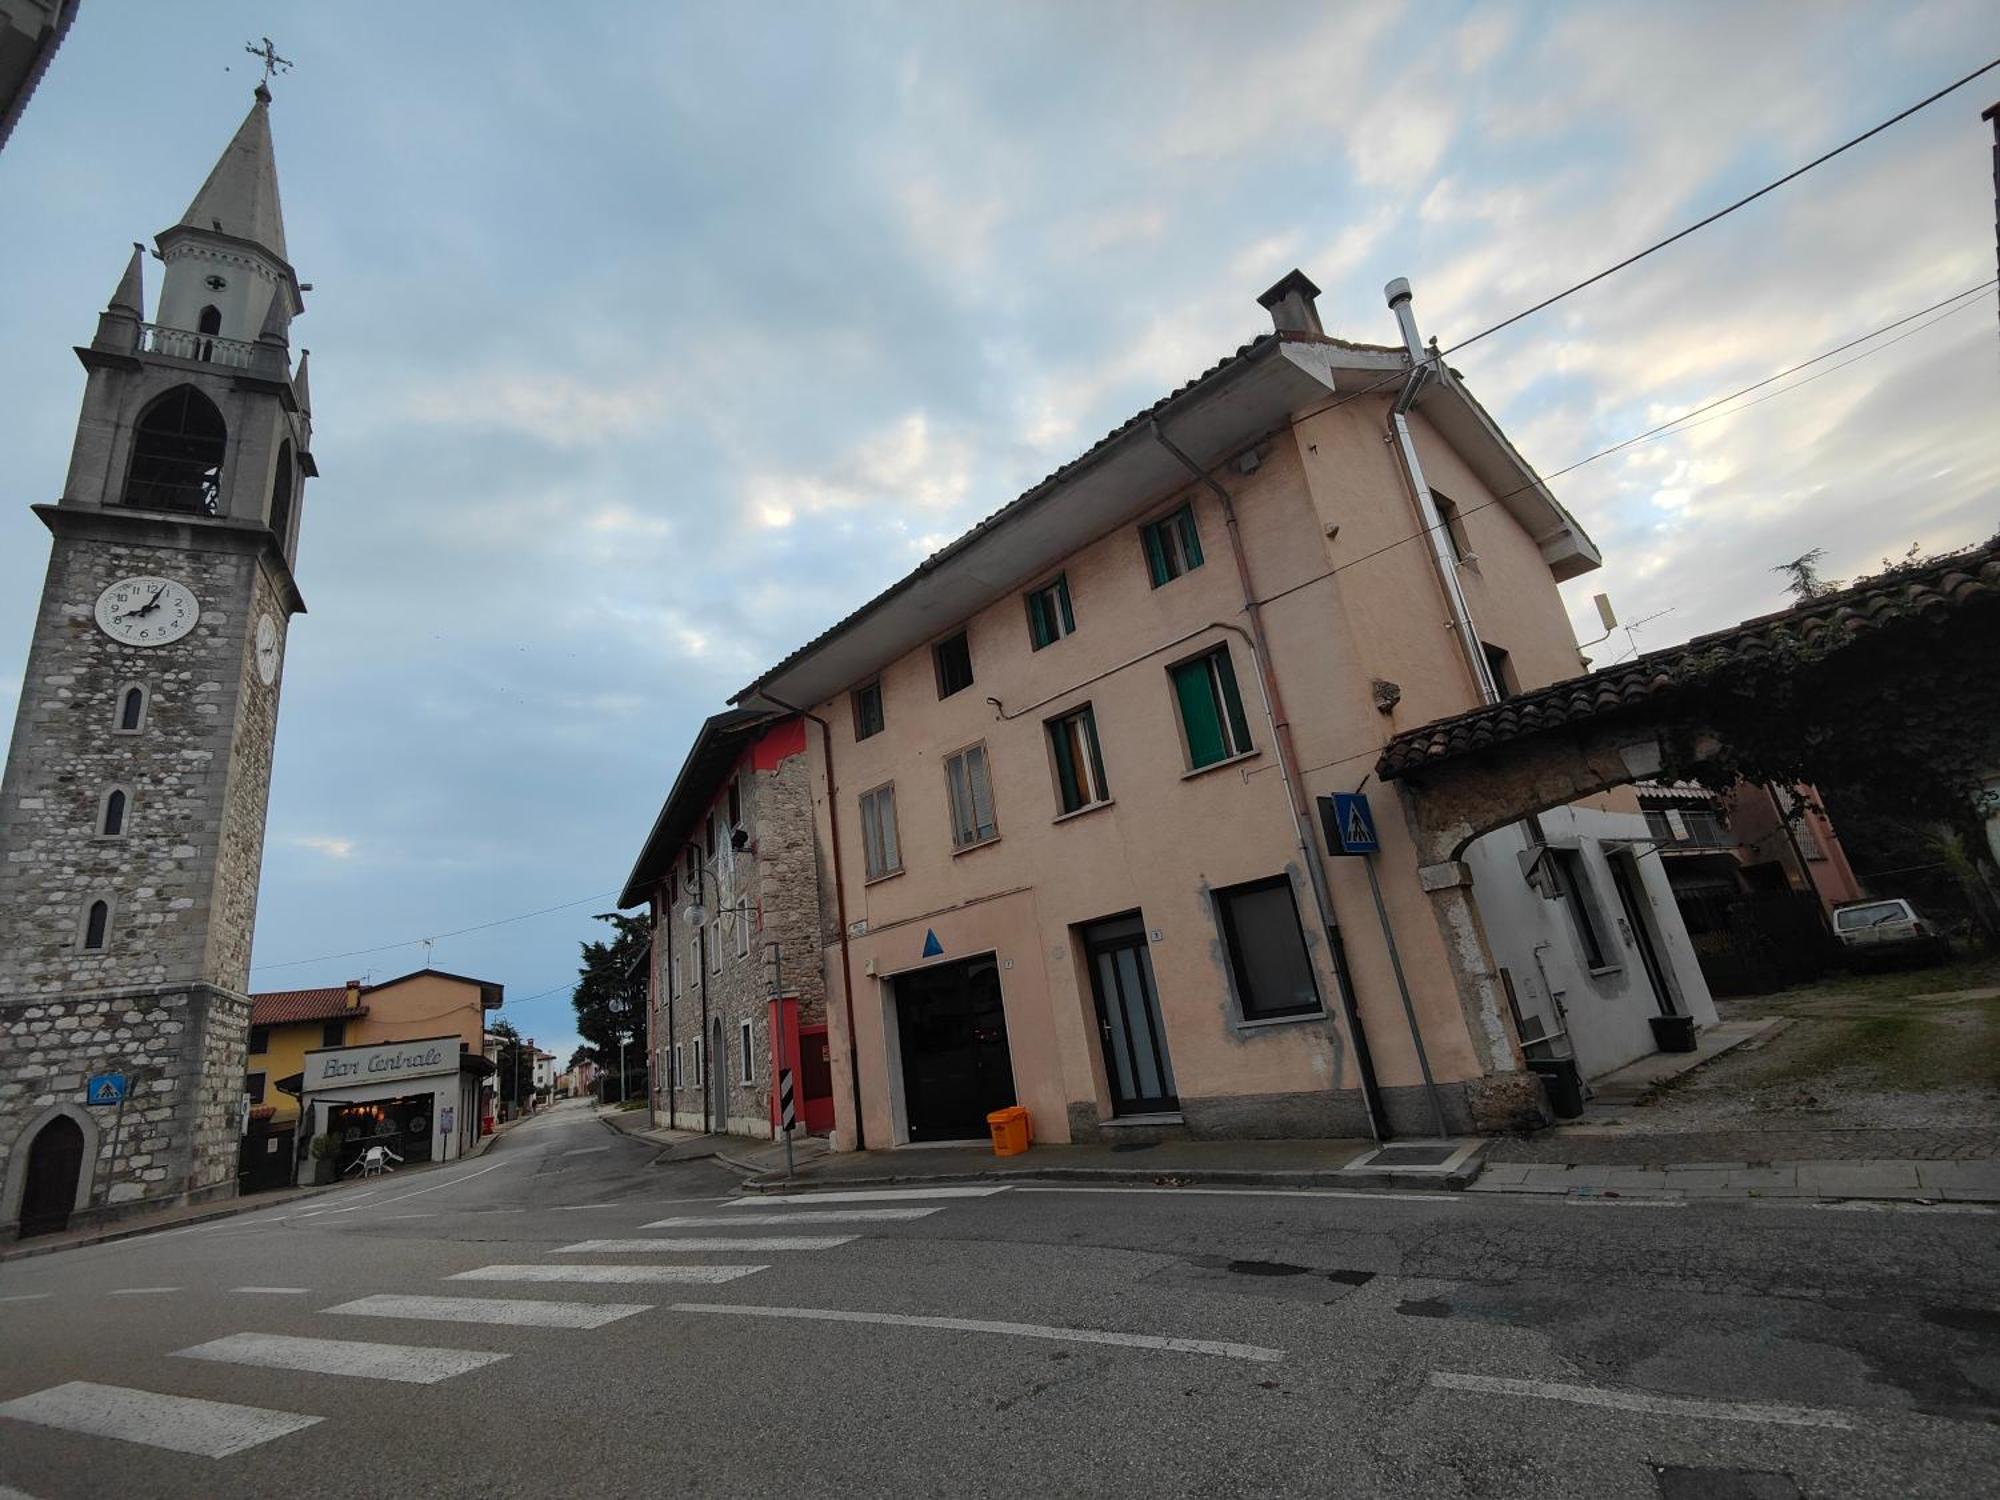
<point x="1399" y="294"/>
<point x="353" y="994"/>
<point x="1293" y="304"/>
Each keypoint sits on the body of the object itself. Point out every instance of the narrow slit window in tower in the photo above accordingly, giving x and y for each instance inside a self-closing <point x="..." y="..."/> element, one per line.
<point x="114" y="814"/>
<point x="281" y="494"/>
<point x="95" y="924"/>
<point x="132" y="709"/>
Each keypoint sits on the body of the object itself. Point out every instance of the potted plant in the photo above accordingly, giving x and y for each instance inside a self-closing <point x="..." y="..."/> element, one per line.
<point x="325" y="1169"/>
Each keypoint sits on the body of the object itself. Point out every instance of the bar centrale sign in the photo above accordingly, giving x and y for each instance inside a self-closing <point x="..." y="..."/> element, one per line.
<point x="386" y="1062"/>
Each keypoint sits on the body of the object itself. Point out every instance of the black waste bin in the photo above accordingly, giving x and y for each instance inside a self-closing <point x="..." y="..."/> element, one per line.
<point x="1673" y="1033"/>
<point x="1564" y="1084"/>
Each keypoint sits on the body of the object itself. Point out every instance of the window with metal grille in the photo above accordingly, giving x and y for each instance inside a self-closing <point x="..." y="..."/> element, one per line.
<point x="1211" y="709"/>
<point x="1173" y="546"/>
<point x="1050" y="617"/>
<point x="881" y="853"/>
<point x="868" y="719"/>
<point x="1267" y="949"/>
<point x="1079" y="766"/>
<point x="968" y="780"/>
<point x="953" y="659"/>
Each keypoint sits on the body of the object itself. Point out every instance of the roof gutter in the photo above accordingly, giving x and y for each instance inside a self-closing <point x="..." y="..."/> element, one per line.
<point x="1288" y="772"/>
<point x="1422" y="369"/>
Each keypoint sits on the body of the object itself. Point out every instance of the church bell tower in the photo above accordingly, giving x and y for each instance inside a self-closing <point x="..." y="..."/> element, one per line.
<point x="132" y="811"/>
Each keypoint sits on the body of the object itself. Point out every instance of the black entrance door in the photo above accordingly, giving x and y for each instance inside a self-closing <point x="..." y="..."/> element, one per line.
<point x="1128" y="1018"/>
<point x="54" y="1163"/>
<point x="956" y="1069"/>
<point x="1626" y="879"/>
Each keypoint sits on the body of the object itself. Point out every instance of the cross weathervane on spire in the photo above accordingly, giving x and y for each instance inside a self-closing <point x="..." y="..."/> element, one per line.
<point x="269" y="56"/>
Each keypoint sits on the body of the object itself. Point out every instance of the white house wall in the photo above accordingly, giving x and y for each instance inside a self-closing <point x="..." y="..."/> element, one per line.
<point x="1606" y="1011"/>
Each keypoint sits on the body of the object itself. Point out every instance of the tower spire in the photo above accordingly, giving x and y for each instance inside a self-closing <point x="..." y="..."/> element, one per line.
<point x="300" y="391"/>
<point x="240" y="197"/>
<point x="131" y="294"/>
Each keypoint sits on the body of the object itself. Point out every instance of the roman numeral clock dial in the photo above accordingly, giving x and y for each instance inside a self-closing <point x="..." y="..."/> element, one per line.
<point x="147" y="611"/>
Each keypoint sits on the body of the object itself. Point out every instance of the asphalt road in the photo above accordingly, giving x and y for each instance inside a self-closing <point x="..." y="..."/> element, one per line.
<point x="1027" y="1341"/>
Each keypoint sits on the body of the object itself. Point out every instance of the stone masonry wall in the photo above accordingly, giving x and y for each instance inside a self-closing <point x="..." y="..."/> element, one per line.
<point x="66" y="755"/>
<point x="246" y="793"/>
<point x="778" y="875"/>
<point x="181" y="1050"/>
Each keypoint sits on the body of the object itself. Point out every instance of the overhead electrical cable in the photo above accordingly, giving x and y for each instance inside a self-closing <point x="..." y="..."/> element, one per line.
<point x="435" y="937"/>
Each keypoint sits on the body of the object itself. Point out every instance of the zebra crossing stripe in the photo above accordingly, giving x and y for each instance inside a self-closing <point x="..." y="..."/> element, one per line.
<point x="409" y="1363"/>
<point x="180" y="1424"/>
<point x="702" y="1275"/>
<point x="667" y="1245"/>
<point x="872" y="1195"/>
<point x="797" y="1216"/>
<point x="501" y="1312"/>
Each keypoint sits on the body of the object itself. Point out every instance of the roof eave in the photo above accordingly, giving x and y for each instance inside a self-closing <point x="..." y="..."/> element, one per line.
<point x="692" y="778"/>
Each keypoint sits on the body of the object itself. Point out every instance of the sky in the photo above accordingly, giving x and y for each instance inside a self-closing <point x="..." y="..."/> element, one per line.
<point x="648" y="340"/>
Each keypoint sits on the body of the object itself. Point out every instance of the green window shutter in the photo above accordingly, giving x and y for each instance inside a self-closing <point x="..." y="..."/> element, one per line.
<point x="1062" y="599"/>
<point x="1156" y="556"/>
<point x="1066" y="786"/>
<point x="1199" y="715"/>
<point x="1190" y="538"/>
<point x="1239" y="727"/>
<point x="1038" y="621"/>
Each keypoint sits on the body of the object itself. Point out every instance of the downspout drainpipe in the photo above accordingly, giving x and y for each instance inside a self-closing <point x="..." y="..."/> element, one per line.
<point x="1288" y="772"/>
<point x="1421" y="374"/>
<point x="840" y="915"/>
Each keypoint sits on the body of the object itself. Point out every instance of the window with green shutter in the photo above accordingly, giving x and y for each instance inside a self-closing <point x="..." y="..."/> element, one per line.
<point x="1212" y="717"/>
<point x="1050" y="617"/>
<point x="1173" y="546"/>
<point x="1079" y="766"/>
<point x="969" y="786"/>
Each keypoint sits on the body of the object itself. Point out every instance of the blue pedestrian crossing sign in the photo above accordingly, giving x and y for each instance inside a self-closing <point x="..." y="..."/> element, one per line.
<point x="104" y="1088"/>
<point x="932" y="947"/>
<point x="1349" y="825"/>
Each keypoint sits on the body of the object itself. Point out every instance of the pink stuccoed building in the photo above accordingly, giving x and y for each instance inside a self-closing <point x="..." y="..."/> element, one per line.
<point x="1065" y="781"/>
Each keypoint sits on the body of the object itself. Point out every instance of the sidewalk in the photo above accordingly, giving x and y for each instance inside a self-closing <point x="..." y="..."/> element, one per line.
<point x="1829" y="1181"/>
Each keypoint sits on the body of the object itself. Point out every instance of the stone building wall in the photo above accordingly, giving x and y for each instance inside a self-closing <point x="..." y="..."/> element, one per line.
<point x="778" y="875"/>
<point x="245" y="795"/>
<point x="181" y="1050"/>
<point x="67" y="754"/>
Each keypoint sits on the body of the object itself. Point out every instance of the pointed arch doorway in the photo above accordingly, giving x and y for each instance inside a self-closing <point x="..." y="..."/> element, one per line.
<point x="55" y="1167"/>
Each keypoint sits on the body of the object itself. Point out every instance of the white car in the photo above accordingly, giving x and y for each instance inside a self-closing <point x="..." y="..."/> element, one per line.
<point x="1885" y="931"/>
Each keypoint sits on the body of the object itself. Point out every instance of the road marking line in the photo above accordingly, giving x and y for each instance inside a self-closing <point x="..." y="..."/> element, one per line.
<point x="586" y="1151"/>
<point x="28" y="1297"/>
<point x="798" y="1216"/>
<point x="570" y="1208"/>
<point x="141" y="1291"/>
<point x="1663" y="1406"/>
<point x="977" y="1325"/>
<point x="275" y="1291"/>
<point x="781" y="1200"/>
<point x="181" y="1424"/>
<point x="705" y="1275"/>
<point x="411" y="1364"/>
<point x="511" y="1312"/>
<point x="1627" y="1202"/>
<point x="416" y="1193"/>
<point x="667" y="1245"/>
<point x="429" y="1215"/>
<point x="1248" y="1192"/>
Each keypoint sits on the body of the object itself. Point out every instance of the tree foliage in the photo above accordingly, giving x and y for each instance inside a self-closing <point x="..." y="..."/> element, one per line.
<point x="515" y="1070"/>
<point x="610" y="993"/>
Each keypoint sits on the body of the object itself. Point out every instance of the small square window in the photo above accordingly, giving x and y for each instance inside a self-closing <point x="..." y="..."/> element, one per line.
<point x="1267" y="950"/>
<point x="333" y="1033"/>
<point x="1050" y="617"/>
<point x="1079" y="765"/>
<point x="253" y="1085"/>
<point x="881" y="853"/>
<point x="953" y="659"/>
<point x="969" y="785"/>
<point x="1173" y="546"/>
<point x="260" y="1039"/>
<point x="1212" y="718"/>
<point x="1454" y="528"/>
<point x="868" y="719"/>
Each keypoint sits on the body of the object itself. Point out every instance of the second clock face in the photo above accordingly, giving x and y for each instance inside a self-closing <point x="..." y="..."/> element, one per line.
<point x="267" y="650"/>
<point x="147" y="611"/>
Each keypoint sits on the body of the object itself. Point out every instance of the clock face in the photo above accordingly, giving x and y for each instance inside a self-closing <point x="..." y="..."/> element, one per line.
<point x="267" y="649"/>
<point x="147" y="611"/>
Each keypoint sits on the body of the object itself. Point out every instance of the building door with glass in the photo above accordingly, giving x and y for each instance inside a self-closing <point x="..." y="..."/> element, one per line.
<point x="1128" y="1018"/>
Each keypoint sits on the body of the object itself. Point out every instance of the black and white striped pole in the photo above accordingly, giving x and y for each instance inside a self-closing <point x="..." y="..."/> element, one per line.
<point x="786" y="1109"/>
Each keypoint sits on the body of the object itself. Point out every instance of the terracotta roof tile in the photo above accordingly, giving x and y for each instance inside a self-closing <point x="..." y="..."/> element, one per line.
<point x="1869" y="605"/>
<point x="281" y="1007"/>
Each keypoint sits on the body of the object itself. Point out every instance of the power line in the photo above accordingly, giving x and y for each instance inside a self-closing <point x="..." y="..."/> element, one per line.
<point x="293" y="963"/>
<point x="1958" y="298"/>
<point x="1724" y="212"/>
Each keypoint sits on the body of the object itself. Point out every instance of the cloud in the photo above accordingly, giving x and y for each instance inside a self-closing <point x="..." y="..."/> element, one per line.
<point x="327" y="845"/>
